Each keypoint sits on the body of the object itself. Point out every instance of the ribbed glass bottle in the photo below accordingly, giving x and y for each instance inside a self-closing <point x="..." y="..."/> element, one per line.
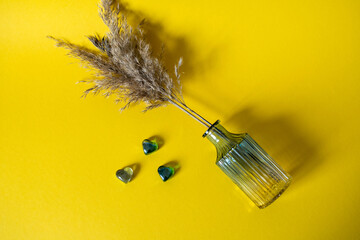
<point x="248" y="165"/>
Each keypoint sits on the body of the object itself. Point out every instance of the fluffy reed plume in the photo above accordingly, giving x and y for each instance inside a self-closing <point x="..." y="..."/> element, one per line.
<point x="124" y="64"/>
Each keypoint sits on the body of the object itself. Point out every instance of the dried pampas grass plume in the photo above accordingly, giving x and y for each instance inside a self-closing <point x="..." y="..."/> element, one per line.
<point x="124" y="65"/>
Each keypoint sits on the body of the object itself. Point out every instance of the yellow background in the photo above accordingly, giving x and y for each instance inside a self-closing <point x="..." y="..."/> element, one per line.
<point x="287" y="72"/>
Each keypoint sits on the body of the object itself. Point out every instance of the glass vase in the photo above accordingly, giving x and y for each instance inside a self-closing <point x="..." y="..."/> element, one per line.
<point x="248" y="165"/>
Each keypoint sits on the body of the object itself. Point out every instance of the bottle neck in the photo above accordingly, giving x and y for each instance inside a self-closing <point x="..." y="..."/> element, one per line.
<point x="220" y="137"/>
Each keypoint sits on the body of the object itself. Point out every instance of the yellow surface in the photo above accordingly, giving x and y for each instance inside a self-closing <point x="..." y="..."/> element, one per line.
<point x="287" y="72"/>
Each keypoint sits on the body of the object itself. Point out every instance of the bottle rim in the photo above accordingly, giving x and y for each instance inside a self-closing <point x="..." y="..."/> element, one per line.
<point x="210" y="128"/>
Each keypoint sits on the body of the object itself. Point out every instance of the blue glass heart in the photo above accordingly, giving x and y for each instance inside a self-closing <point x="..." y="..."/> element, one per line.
<point x="166" y="172"/>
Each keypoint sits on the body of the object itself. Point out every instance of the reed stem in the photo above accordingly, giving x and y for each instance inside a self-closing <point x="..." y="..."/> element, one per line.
<point x="190" y="112"/>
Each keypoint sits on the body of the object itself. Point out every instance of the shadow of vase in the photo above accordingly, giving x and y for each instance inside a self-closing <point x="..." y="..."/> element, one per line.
<point x="288" y="143"/>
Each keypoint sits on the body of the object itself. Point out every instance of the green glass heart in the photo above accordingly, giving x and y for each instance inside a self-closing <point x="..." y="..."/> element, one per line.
<point x="166" y="172"/>
<point x="149" y="146"/>
<point x="125" y="174"/>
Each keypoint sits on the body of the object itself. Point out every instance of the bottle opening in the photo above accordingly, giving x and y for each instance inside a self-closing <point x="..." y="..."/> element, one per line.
<point x="210" y="128"/>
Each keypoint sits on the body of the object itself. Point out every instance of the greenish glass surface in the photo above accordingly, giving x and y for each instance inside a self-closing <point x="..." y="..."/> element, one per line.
<point x="166" y="172"/>
<point x="248" y="165"/>
<point x="125" y="174"/>
<point x="150" y="146"/>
